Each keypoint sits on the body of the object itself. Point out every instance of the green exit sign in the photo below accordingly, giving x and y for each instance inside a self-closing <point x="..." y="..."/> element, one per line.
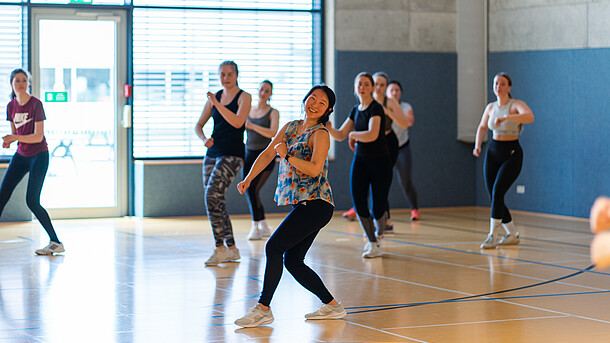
<point x="81" y="1"/>
<point x="56" y="96"/>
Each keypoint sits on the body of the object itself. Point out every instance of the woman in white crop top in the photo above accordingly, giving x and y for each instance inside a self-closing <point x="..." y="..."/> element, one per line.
<point x="504" y="157"/>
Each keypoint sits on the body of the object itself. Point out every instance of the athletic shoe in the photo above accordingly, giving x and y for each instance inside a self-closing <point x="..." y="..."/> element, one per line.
<point x="233" y="255"/>
<point x="264" y="229"/>
<point x="221" y="255"/>
<point x="350" y="214"/>
<point x="327" y="312"/>
<point x="389" y="228"/>
<point x="255" y="318"/>
<point x="509" y="239"/>
<point x="415" y="215"/>
<point x="255" y="233"/>
<point x="51" y="249"/>
<point x="489" y="243"/>
<point x="371" y="250"/>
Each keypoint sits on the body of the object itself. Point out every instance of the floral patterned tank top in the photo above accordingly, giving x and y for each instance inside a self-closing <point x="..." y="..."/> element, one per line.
<point x="294" y="186"/>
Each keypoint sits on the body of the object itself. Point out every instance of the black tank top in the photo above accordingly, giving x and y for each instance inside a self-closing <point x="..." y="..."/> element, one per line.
<point x="228" y="140"/>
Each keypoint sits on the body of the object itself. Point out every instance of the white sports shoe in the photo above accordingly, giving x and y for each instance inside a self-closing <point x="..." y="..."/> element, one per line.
<point x="255" y="233"/>
<point x="371" y="250"/>
<point x="327" y="312"/>
<point x="233" y="255"/>
<point x="264" y="229"/>
<point x="509" y="239"/>
<point x="489" y="243"/>
<point x="255" y="318"/>
<point x="51" y="249"/>
<point x="220" y="255"/>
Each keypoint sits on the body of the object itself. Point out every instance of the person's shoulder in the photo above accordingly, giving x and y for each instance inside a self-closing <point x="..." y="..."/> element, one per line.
<point x="35" y="101"/>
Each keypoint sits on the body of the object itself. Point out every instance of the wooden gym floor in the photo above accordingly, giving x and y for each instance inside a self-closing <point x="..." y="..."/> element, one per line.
<point x="143" y="280"/>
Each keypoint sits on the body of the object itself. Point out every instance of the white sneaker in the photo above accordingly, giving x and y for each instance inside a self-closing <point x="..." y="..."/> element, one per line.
<point x="509" y="239"/>
<point x="233" y="255"/>
<point x="371" y="250"/>
<point x="255" y="318"/>
<point x="327" y="312"/>
<point x="255" y="233"/>
<point x="264" y="229"/>
<point x="51" y="249"/>
<point x="489" y="243"/>
<point x="220" y="255"/>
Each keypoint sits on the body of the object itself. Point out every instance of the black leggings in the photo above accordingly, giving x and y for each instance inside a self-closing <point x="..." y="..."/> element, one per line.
<point x="373" y="173"/>
<point x="289" y="244"/>
<point x="37" y="166"/>
<point x="392" y="143"/>
<point x="256" y="206"/>
<point x="403" y="172"/>
<point x="503" y="163"/>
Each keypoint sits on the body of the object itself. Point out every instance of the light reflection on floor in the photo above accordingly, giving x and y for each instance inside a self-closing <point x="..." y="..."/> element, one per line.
<point x="143" y="280"/>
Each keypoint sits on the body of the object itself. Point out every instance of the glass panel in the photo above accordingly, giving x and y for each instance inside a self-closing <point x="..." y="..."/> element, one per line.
<point x="86" y="2"/>
<point x="248" y="4"/>
<point x="77" y="68"/>
<point x="176" y="58"/>
<point x="11" y="57"/>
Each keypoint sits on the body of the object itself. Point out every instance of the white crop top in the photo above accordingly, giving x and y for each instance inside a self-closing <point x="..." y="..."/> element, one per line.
<point x="508" y="128"/>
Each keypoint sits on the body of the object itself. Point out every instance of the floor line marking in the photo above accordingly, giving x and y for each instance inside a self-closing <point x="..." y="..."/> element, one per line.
<point x="479" y="322"/>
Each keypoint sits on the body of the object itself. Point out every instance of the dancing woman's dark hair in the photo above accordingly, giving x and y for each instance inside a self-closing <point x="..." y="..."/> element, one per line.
<point x="331" y="101"/>
<point x="12" y="77"/>
<point x="394" y="82"/>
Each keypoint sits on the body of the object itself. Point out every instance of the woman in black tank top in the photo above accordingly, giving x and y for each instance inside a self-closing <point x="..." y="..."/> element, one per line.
<point x="225" y="156"/>
<point x="393" y="113"/>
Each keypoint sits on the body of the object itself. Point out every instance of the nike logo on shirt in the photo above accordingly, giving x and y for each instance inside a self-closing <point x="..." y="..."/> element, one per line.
<point x="21" y="119"/>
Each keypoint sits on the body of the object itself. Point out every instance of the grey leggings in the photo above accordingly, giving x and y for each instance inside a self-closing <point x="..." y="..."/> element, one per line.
<point x="218" y="173"/>
<point x="403" y="171"/>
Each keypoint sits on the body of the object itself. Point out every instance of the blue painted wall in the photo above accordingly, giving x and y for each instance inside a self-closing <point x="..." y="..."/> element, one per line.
<point x="444" y="169"/>
<point x="567" y="148"/>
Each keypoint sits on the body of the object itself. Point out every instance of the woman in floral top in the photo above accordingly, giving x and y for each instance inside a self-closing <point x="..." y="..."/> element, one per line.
<point x="302" y="182"/>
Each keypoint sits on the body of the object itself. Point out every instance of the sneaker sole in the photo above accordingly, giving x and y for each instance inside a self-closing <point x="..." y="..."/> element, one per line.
<point x="255" y="324"/>
<point x="333" y="316"/>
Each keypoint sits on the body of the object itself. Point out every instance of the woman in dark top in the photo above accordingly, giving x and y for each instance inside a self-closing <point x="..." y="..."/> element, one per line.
<point x="229" y="108"/>
<point x="262" y="125"/>
<point x="371" y="166"/>
<point x="26" y="114"/>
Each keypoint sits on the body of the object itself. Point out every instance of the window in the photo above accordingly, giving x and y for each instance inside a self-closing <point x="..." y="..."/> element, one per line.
<point x="11" y="57"/>
<point x="176" y="53"/>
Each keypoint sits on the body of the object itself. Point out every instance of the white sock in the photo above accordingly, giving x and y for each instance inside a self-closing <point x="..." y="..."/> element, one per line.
<point x="509" y="227"/>
<point x="263" y="224"/>
<point x="493" y="224"/>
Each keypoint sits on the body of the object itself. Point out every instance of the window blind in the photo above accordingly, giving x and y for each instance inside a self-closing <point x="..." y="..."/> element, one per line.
<point x="176" y="53"/>
<point x="11" y="57"/>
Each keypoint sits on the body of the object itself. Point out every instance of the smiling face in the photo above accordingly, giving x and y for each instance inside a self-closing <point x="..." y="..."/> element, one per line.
<point x="381" y="84"/>
<point x="394" y="92"/>
<point x="20" y="83"/>
<point x="228" y="76"/>
<point x="316" y="104"/>
<point x="265" y="91"/>
<point x="363" y="87"/>
<point x="501" y="86"/>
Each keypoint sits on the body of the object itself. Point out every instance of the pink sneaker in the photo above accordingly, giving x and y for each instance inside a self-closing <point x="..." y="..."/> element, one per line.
<point x="415" y="215"/>
<point x="350" y="214"/>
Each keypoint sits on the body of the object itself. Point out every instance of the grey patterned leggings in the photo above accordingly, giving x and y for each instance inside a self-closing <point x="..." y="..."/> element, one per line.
<point x="218" y="173"/>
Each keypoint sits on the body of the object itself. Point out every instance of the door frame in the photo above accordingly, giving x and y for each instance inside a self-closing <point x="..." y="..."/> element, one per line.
<point x="121" y="153"/>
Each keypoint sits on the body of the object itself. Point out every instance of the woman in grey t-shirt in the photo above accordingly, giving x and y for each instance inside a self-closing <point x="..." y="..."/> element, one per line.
<point x="262" y="125"/>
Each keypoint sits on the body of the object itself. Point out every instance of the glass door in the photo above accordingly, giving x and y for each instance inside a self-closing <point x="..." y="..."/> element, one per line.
<point x="78" y="69"/>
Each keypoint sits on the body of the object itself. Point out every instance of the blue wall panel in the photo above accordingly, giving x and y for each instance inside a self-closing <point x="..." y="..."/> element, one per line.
<point x="443" y="168"/>
<point x="567" y="155"/>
